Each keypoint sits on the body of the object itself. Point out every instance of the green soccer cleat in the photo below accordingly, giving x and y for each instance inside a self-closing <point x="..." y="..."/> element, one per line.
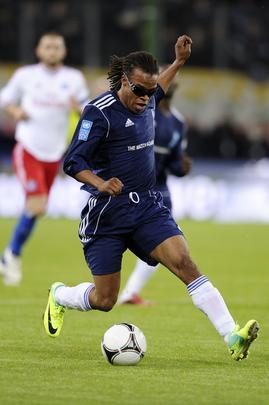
<point x="54" y="314"/>
<point x="239" y="340"/>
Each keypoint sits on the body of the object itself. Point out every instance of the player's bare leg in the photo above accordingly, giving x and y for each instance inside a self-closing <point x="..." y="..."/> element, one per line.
<point x="104" y="296"/>
<point x="36" y="204"/>
<point x="173" y="253"/>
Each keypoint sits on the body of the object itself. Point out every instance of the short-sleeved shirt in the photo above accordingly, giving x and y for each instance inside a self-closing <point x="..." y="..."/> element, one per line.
<point x="44" y="94"/>
<point x="112" y="141"/>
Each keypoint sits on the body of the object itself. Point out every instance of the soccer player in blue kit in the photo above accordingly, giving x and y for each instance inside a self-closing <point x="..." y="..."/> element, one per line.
<point x="112" y="155"/>
<point x="170" y="157"/>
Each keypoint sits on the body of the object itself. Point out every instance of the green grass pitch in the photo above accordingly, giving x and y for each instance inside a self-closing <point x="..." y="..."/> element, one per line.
<point x="186" y="361"/>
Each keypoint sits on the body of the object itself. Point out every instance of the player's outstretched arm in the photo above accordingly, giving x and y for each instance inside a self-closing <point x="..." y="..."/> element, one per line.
<point x="182" y="53"/>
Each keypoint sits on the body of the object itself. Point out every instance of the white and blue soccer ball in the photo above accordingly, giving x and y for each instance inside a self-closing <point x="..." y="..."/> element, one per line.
<point x="124" y="344"/>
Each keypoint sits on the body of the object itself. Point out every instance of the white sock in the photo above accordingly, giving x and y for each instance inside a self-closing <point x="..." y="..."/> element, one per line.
<point x="208" y="299"/>
<point x="140" y="275"/>
<point x="74" y="297"/>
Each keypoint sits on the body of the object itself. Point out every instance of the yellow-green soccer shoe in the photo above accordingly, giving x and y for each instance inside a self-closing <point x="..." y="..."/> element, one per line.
<point x="239" y="340"/>
<point x="54" y="313"/>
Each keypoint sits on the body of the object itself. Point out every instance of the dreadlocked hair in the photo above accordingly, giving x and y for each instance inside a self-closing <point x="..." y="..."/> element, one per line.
<point x="125" y="64"/>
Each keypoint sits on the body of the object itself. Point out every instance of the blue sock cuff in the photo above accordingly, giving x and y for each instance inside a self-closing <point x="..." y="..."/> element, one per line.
<point x="196" y="284"/>
<point x="86" y="297"/>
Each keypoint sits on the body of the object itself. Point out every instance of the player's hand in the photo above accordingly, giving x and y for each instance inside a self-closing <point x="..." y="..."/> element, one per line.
<point x="112" y="186"/>
<point x="19" y="114"/>
<point x="186" y="164"/>
<point x="183" y="48"/>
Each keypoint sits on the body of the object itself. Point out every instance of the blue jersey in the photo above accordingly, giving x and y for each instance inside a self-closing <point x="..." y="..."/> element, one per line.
<point x="112" y="141"/>
<point x="170" y="142"/>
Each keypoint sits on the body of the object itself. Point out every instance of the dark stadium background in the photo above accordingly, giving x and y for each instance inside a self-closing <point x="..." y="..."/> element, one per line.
<point x="226" y="34"/>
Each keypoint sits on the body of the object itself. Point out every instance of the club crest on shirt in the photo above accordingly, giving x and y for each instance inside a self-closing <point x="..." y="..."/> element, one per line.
<point x="85" y="129"/>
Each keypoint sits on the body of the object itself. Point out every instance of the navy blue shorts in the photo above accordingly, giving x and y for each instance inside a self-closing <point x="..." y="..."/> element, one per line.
<point x="135" y="221"/>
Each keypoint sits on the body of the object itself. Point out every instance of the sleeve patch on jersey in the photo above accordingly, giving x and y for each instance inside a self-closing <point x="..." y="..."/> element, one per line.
<point x="85" y="129"/>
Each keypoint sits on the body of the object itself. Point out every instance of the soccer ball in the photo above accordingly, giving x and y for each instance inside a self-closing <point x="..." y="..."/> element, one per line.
<point x="123" y="344"/>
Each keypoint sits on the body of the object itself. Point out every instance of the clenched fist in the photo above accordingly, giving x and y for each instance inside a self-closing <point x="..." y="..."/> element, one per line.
<point x="183" y="48"/>
<point x="112" y="186"/>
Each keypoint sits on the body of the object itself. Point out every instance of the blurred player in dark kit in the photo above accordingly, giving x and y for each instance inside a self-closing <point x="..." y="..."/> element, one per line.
<point x="170" y="157"/>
